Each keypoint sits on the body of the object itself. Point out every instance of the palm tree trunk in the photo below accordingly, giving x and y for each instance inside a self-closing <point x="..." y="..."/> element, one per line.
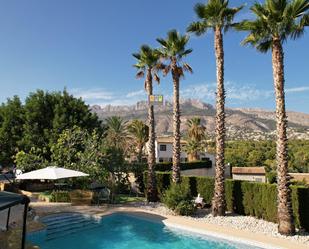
<point x="218" y="202"/>
<point x="176" y="123"/>
<point x="285" y="217"/>
<point x="152" y="195"/>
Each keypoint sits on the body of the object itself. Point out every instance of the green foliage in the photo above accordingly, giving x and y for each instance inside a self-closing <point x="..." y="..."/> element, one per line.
<point x="275" y="20"/>
<point x="39" y="122"/>
<point x="271" y="177"/>
<point x="213" y="14"/>
<point x="184" y="166"/>
<point x="139" y="133"/>
<point x="117" y="132"/>
<point x="300" y="204"/>
<point x="205" y="187"/>
<point x="263" y="153"/>
<point x="32" y="160"/>
<point x="178" y="198"/>
<point x="59" y="196"/>
<point x="80" y="150"/>
<point x="242" y="197"/>
<point x="11" y="129"/>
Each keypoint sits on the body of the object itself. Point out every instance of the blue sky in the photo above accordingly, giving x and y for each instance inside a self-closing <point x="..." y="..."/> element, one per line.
<point x="86" y="46"/>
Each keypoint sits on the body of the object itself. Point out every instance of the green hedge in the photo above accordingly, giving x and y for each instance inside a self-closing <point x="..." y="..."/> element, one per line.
<point x="167" y="166"/>
<point x="184" y="166"/>
<point x="246" y="198"/>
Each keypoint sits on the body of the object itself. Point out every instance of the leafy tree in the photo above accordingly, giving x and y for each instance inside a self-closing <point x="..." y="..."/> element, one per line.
<point x="38" y="120"/>
<point x="32" y="160"/>
<point x="173" y="50"/>
<point x="218" y="16"/>
<point x="275" y="22"/>
<point x="80" y="150"/>
<point x="148" y="61"/>
<point x="11" y="129"/>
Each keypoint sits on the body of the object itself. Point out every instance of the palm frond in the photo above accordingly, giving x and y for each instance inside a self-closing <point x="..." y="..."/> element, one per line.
<point x="156" y="78"/>
<point x="140" y="74"/>
<point x="186" y="67"/>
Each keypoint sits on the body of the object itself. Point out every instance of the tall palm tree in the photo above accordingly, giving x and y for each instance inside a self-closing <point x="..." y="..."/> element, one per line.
<point x="173" y="50"/>
<point x="116" y="132"/>
<point x="148" y="61"/>
<point x="140" y="135"/>
<point x="275" y="22"/>
<point x="216" y="15"/>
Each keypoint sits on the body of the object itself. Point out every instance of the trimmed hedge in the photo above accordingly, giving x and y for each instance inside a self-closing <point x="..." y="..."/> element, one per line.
<point x="184" y="166"/>
<point x="167" y="166"/>
<point x="245" y="198"/>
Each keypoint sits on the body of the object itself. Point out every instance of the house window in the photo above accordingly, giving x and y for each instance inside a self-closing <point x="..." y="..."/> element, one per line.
<point x="161" y="160"/>
<point x="162" y="147"/>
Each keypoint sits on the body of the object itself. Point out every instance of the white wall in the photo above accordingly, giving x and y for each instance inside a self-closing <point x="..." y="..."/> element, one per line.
<point x="250" y="177"/>
<point x="206" y="172"/>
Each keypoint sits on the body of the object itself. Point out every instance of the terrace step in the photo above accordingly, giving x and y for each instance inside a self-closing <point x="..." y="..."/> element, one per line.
<point x="64" y="224"/>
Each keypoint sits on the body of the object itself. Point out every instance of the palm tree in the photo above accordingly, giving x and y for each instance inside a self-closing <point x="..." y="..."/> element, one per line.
<point x="275" y="22"/>
<point x="196" y="130"/>
<point x="148" y="61"/>
<point x="195" y="138"/>
<point x="173" y="49"/>
<point x="216" y="15"/>
<point x="140" y="135"/>
<point x="116" y="132"/>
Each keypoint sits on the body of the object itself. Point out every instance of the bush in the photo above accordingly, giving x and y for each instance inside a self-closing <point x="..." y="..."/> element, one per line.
<point x="185" y="208"/>
<point x="178" y="198"/>
<point x="59" y="196"/>
<point x="271" y="177"/>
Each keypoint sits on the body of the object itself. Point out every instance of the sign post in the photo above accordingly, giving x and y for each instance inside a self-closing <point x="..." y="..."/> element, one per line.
<point x="155" y="99"/>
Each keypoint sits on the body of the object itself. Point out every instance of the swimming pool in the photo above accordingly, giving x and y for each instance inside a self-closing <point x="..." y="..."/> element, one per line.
<point x="119" y="231"/>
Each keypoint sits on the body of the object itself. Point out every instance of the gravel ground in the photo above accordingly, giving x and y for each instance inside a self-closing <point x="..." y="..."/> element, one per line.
<point x="248" y="223"/>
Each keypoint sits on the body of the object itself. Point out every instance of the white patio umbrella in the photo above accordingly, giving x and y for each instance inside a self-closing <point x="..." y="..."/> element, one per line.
<point x="50" y="173"/>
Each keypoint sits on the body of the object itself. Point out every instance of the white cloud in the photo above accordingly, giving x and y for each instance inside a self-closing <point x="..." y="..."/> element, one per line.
<point x="297" y="89"/>
<point x="92" y="94"/>
<point x="136" y="93"/>
<point x="207" y="92"/>
<point x="235" y="94"/>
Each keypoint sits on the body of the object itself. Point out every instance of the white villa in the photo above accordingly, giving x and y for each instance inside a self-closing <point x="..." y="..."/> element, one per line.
<point x="164" y="151"/>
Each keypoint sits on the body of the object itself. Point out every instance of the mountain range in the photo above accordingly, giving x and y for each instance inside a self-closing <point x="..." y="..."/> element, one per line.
<point x="241" y="123"/>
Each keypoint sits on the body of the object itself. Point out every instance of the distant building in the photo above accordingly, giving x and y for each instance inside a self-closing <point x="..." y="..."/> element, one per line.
<point x="300" y="177"/>
<point x="254" y="174"/>
<point x="164" y="151"/>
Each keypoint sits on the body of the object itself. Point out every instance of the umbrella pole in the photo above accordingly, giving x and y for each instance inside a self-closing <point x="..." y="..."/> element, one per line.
<point x="23" y="242"/>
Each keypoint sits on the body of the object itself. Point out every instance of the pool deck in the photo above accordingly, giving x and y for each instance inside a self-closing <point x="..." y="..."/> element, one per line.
<point x="177" y="222"/>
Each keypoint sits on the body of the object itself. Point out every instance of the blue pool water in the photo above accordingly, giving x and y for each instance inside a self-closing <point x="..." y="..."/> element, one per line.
<point x="119" y="231"/>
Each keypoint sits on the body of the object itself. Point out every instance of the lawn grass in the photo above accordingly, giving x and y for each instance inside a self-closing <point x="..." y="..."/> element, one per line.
<point x="123" y="199"/>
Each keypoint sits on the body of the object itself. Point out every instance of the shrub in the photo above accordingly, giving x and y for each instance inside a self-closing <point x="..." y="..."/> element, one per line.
<point x="271" y="177"/>
<point x="185" y="208"/>
<point x="59" y="196"/>
<point x="178" y="198"/>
